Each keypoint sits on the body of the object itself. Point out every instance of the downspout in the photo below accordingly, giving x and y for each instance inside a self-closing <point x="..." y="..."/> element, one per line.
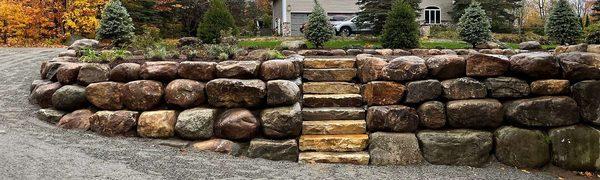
<point x="283" y="17"/>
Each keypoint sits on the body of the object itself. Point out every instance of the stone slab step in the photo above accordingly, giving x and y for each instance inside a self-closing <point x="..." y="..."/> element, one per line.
<point x="334" y="143"/>
<point x="332" y="100"/>
<point x="358" y="158"/>
<point x="333" y="113"/>
<point x="325" y="75"/>
<point x="327" y="63"/>
<point x="330" y="88"/>
<point x="334" y="127"/>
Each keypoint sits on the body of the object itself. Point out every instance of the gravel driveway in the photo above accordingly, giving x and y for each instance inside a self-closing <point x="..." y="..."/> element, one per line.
<point x="32" y="149"/>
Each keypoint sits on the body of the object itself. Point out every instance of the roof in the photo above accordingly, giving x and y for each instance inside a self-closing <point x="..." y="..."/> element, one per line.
<point x="330" y="6"/>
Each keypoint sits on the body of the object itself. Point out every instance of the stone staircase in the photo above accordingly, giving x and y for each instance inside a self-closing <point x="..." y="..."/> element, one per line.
<point x="334" y="126"/>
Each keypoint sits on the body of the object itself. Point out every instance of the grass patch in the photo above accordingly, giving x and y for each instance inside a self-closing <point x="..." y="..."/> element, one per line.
<point x="444" y="44"/>
<point x="544" y="47"/>
<point x="268" y="44"/>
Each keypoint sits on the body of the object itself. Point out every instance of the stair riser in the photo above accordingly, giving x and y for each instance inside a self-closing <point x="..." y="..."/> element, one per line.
<point x="359" y="158"/>
<point x="326" y="75"/>
<point x="309" y="114"/>
<point x="330" y="88"/>
<point x="350" y="101"/>
<point x="334" y="127"/>
<point x="334" y="143"/>
<point x="329" y="63"/>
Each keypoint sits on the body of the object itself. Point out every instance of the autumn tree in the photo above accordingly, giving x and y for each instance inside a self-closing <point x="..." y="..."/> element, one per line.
<point x="81" y="17"/>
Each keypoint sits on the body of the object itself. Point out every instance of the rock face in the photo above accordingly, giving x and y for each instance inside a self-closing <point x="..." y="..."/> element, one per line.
<point x="218" y="145"/>
<point x="157" y="124"/>
<point x="446" y="66"/>
<point x="196" y="123"/>
<point x="79" y="119"/>
<point x="507" y="87"/>
<point x="576" y="147"/>
<point x="476" y="113"/>
<point x="276" y="150"/>
<point x="278" y="69"/>
<point x="93" y="73"/>
<point x="394" y="149"/>
<point x="463" y="88"/>
<point x="69" y="97"/>
<point x="106" y="95"/>
<point x="160" y="70"/>
<point x="405" y="68"/>
<point x="330" y="88"/>
<point x="419" y="91"/>
<point x="456" y="147"/>
<point x="125" y="72"/>
<point x="49" y="115"/>
<point x="84" y="43"/>
<point x="237" y="124"/>
<point x="142" y="95"/>
<point x="536" y="65"/>
<point x="543" y="111"/>
<point x="334" y="143"/>
<point x="396" y="118"/>
<point x="530" y="45"/>
<point x="550" y="87"/>
<point x="42" y="95"/>
<point x="432" y="114"/>
<point x="383" y="93"/>
<point x="200" y="71"/>
<point x="114" y="123"/>
<point x="185" y="93"/>
<point x="586" y="94"/>
<point x="371" y="69"/>
<point x="580" y="66"/>
<point x="522" y="148"/>
<point x="235" y="93"/>
<point x="238" y="69"/>
<point x="67" y="73"/>
<point x="282" y="122"/>
<point x="487" y="65"/>
<point x="282" y="92"/>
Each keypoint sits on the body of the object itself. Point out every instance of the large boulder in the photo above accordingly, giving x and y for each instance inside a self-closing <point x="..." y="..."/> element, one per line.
<point x="394" y="149"/>
<point x="550" y="87"/>
<point x="463" y="88"/>
<point x="293" y="45"/>
<point x="456" y="147"/>
<point x="84" y="44"/>
<point x="536" y="65"/>
<point x="543" y="111"/>
<point x="276" y="150"/>
<point x="196" y="123"/>
<point x="218" y="145"/>
<point x="396" y="118"/>
<point x="157" y="124"/>
<point x="576" y="147"/>
<point x="486" y="65"/>
<point x="475" y="113"/>
<point x="79" y="119"/>
<point x="49" y="115"/>
<point x="114" y="123"/>
<point x="125" y="72"/>
<point x="200" y="71"/>
<point x="49" y="69"/>
<point x="405" y="68"/>
<point x="142" y="95"/>
<point x="93" y="73"/>
<point x="587" y="96"/>
<point x="282" y="122"/>
<point x="522" y="148"/>
<point x="432" y="114"/>
<point x="282" y="92"/>
<point x="580" y="65"/>
<point x="69" y="97"/>
<point x="370" y="69"/>
<point x="383" y="93"/>
<point x="235" y="92"/>
<point x="278" y="69"/>
<point x="530" y="45"/>
<point x="67" y="73"/>
<point x="571" y="48"/>
<point x="238" y="69"/>
<point x="185" y="93"/>
<point x="507" y="87"/>
<point x="446" y="66"/>
<point x="106" y="95"/>
<point x="42" y="94"/>
<point x="160" y="70"/>
<point x="419" y="91"/>
<point x="237" y="124"/>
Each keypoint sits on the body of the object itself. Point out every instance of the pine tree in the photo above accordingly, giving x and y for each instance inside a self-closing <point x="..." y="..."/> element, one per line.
<point x="501" y="12"/>
<point x="216" y="19"/>
<point x="401" y="30"/>
<point x="116" y="24"/>
<point x="474" y="25"/>
<point x="376" y="11"/>
<point x="593" y="34"/>
<point x="596" y="10"/>
<point x="563" y="25"/>
<point x="318" y="30"/>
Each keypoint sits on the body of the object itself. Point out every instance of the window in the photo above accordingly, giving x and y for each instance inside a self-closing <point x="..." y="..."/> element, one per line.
<point x="433" y="15"/>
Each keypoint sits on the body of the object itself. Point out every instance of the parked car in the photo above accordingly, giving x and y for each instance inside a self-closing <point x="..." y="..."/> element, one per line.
<point x="345" y="26"/>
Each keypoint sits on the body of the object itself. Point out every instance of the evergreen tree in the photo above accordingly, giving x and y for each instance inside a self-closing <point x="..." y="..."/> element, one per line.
<point x="501" y="12"/>
<point x="596" y="10"/>
<point x="376" y="11"/>
<point x="593" y="34"/>
<point x="563" y="25"/>
<point x="401" y="30"/>
<point x="474" y="25"/>
<point x="318" y="30"/>
<point x="216" y="19"/>
<point x="115" y="25"/>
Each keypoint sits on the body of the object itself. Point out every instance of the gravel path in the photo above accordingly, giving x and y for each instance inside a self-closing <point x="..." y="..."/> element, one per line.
<point x="32" y="149"/>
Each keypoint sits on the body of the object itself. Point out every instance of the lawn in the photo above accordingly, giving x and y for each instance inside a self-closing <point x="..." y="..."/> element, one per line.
<point x="342" y="43"/>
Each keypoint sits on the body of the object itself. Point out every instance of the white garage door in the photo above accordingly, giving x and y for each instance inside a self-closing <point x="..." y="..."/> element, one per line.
<point x="297" y="20"/>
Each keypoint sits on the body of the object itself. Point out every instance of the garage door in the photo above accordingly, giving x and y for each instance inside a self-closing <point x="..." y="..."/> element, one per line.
<point x="297" y="20"/>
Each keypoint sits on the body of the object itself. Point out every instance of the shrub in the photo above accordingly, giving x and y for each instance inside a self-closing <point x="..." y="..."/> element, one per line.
<point x="115" y="25"/>
<point x="444" y="32"/>
<point x="89" y="56"/>
<point x="150" y="36"/>
<point x="318" y="30"/>
<point x="401" y="29"/>
<point x="161" y="51"/>
<point x="563" y="25"/>
<point x="474" y="25"/>
<point x="593" y="34"/>
<point x="215" y="20"/>
<point x="220" y="51"/>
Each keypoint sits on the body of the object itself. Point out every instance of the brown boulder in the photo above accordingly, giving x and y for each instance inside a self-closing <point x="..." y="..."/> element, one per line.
<point x="157" y="124"/>
<point x="507" y="87"/>
<point x="432" y="114"/>
<point x="142" y="95"/>
<point x="235" y="92"/>
<point x="42" y="95"/>
<point x="419" y="91"/>
<point x="161" y="70"/>
<point x="238" y="69"/>
<point x="446" y="66"/>
<point x="114" y="123"/>
<point x="200" y="71"/>
<point x="396" y="118"/>
<point x="237" y="124"/>
<point x="92" y="73"/>
<point x="282" y="92"/>
<point x="587" y="95"/>
<point x="536" y="65"/>
<point x="405" y="68"/>
<point x="67" y="74"/>
<point x="185" y="93"/>
<point x="546" y="111"/>
<point x="487" y="65"/>
<point x="463" y="88"/>
<point x="218" y="145"/>
<point x="278" y="69"/>
<point x="106" y="95"/>
<point x="475" y="113"/>
<point x="383" y="93"/>
<point x="79" y="119"/>
<point x="580" y="66"/>
<point x="125" y="72"/>
<point x="370" y="69"/>
<point x="550" y="87"/>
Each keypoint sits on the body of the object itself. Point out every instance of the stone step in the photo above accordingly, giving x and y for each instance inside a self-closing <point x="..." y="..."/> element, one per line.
<point x="324" y="75"/>
<point x="333" y="113"/>
<point x="358" y="158"/>
<point x="332" y="100"/>
<point x="334" y="127"/>
<point x="334" y="143"/>
<point x="330" y="88"/>
<point x="327" y="63"/>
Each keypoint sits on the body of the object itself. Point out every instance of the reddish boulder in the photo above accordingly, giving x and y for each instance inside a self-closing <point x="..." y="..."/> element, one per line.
<point x="278" y="69"/>
<point x="79" y="119"/>
<point x="42" y="95"/>
<point x="125" y="72"/>
<point x="114" y="123"/>
<point x="446" y="66"/>
<point x="161" y="70"/>
<point x="92" y="73"/>
<point x="67" y="74"/>
<point x="487" y="65"/>
<point x="237" y="124"/>
<point x="185" y="93"/>
<point x="106" y="95"/>
<point x="200" y="71"/>
<point x="142" y="95"/>
<point x="383" y="93"/>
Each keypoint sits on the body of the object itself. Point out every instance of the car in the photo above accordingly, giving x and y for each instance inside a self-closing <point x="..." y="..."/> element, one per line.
<point x="345" y="26"/>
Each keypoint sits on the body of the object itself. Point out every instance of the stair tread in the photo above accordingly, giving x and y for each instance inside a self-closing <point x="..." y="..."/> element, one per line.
<point x="334" y="143"/>
<point x="358" y="158"/>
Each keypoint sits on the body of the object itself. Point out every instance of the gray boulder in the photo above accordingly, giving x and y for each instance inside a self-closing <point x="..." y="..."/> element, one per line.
<point x="84" y="44"/>
<point x="49" y="115"/>
<point x="276" y="150"/>
<point x="463" y="88"/>
<point x="394" y="149"/>
<point x="456" y="147"/>
<point x="522" y="148"/>
<point x="536" y="65"/>
<point x="530" y="45"/>
<point x="293" y="45"/>
<point x="69" y="97"/>
<point x="196" y="123"/>
<point x="475" y="113"/>
<point x="543" y="111"/>
<point x="93" y="73"/>
<point x="580" y="65"/>
<point x="282" y="92"/>
<point x="587" y="96"/>
<point x="419" y="91"/>
<point x="235" y="92"/>
<point x="507" y="87"/>
<point x="282" y="122"/>
<point x="576" y="147"/>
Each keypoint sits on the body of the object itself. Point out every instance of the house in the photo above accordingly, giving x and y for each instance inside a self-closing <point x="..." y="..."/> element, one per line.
<point x="289" y="15"/>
